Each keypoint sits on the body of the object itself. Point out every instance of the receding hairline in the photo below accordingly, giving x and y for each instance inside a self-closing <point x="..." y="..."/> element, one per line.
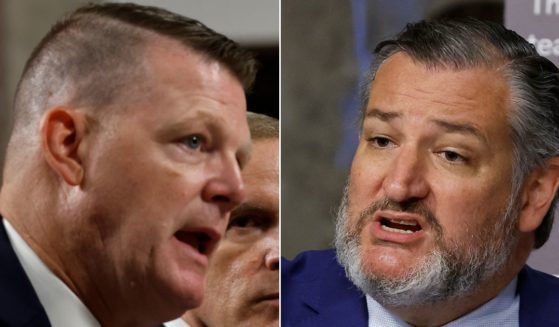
<point x="188" y="31"/>
<point x="143" y="45"/>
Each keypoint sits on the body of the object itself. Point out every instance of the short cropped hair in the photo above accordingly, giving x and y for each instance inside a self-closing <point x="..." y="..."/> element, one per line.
<point x="465" y="43"/>
<point x="262" y="126"/>
<point x="95" y="53"/>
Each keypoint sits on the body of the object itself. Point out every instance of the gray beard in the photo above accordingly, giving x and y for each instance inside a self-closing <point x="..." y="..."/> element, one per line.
<point x="450" y="270"/>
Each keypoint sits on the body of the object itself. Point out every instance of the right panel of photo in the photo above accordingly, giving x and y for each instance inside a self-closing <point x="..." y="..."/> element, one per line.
<point x="420" y="163"/>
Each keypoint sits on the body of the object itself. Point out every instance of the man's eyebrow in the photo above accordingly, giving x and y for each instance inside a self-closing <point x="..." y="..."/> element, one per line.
<point x="250" y="207"/>
<point x="461" y="128"/>
<point x="382" y="115"/>
<point x="451" y="127"/>
<point x="184" y="123"/>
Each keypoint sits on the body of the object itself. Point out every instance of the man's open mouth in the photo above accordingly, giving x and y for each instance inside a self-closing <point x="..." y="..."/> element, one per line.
<point x="400" y="226"/>
<point x="201" y="241"/>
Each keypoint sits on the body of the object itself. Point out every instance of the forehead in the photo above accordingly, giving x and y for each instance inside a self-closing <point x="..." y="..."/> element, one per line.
<point x="261" y="177"/>
<point x="262" y="169"/>
<point x="181" y="87"/>
<point x="174" y="66"/>
<point x="410" y="87"/>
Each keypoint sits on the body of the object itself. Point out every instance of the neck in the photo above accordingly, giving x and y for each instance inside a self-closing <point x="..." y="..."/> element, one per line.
<point x="42" y="227"/>
<point x="81" y="264"/>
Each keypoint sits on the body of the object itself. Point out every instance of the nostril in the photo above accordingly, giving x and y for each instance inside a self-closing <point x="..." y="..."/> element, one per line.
<point x="220" y="198"/>
<point x="225" y="203"/>
<point x="271" y="260"/>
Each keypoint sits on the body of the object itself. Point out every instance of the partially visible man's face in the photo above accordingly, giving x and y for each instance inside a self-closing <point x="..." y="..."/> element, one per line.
<point x="430" y="184"/>
<point x="162" y="176"/>
<point x="242" y="281"/>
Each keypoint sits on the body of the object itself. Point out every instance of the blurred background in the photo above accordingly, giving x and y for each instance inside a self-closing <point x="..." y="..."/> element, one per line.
<point x="253" y="23"/>
<point x="326" y="46"/>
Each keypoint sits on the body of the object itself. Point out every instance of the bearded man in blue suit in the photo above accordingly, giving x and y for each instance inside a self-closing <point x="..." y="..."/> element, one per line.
<point x="452" y="185"/>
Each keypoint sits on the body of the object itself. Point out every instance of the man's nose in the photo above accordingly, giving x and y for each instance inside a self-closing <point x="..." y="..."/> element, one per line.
<point x="225" y="188"/>
<point x="405" y="179"/>
<point x="271" y="259"/>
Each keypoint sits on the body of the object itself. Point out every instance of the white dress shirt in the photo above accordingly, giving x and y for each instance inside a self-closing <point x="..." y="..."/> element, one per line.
<point x="176" y="323"/>
<point x="63" y="307"/>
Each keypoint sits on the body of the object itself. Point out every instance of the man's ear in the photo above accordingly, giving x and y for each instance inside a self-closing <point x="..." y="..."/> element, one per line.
<point x="62" y="133"/>
<point x="538" y="194"/>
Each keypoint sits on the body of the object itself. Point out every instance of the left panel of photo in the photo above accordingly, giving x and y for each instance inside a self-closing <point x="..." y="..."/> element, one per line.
<point x="139" y="163"/>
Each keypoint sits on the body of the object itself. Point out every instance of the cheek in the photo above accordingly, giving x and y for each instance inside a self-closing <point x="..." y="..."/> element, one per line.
<point x="165" y="191"/>
<point x="147" y="174"/>
<point x="364" y="187"/>
<point x="233" y="267"/>
<point x="465" y="212"/>
<point x="223" y="264"/>
<point x="140" y="202"/>
<point x="225" y="284"/>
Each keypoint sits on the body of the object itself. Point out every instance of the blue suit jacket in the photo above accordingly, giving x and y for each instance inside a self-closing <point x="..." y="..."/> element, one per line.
<point x="19" y="304"/>
<point x="315" y="292"/>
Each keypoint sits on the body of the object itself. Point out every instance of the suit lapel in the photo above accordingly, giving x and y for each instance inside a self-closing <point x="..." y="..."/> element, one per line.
<point x="334" y="301"/>
<point x="321" y="295"/>
<point x="19" y="304"/>
<point x="344" y="307"/>
<point x="539" y="298"/>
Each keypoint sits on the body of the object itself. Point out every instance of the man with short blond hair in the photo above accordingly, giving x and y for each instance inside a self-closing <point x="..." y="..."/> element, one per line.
<point x="122" y="168"/>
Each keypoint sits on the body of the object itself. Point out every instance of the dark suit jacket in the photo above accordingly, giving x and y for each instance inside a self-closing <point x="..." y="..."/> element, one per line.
<point x="19" y="304"/>
<point x="315" y="292"/>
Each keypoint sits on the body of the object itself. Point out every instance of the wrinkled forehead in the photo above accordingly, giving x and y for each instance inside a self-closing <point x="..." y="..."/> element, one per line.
<point x="263" y="166"/>
<point x="400" y="76"/>
<point x="494" y="65"/>
<point x="476" y="98"/>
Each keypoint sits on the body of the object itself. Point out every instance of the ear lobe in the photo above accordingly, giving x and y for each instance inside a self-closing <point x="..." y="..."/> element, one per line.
<point x="62" y="133"/>
<point x="538" y="194"/>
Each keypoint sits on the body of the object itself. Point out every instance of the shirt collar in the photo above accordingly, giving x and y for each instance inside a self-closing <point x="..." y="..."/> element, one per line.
<point x="63" y="307"/>
<point x="502" y="310"/>
<point x="176" y="323"/>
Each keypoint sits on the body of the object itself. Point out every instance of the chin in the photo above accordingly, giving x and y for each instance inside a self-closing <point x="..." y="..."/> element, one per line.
<point x="181" y="291"/>
<point x="191" y="295"/>
<point x="389" y="266"/>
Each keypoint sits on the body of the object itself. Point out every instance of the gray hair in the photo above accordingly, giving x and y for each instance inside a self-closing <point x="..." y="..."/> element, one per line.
<point x="465" y="43"/>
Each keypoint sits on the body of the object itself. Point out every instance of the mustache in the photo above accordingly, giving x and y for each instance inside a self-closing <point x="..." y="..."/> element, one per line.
<point x="416" y="207"/>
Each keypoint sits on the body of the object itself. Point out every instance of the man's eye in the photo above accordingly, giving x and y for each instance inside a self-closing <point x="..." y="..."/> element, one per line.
<point x="242" y="222"/>
<point x="452" y="156"/>
<point x="193" y="142"/>
<point x="380" y="142"/>
<point x="250" y="221"/>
